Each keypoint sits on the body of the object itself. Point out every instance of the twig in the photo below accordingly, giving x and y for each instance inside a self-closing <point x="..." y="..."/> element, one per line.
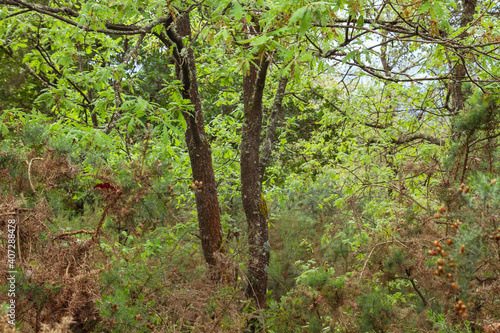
<point x="447" y="223"/>
<point x="29" y="172"/>
<point x="67" y="268"/>
<point x="105" y="212"/>
<point x="424" y="301"/>
<point x="406" y="195"/>
<point x="369" y="256"/>
<point x="72" y="233"/>
<point x="159" y="316"/>
<point x="27" y="218"/>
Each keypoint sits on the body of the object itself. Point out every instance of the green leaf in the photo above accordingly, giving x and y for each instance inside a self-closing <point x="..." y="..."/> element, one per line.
<point x="361" y="21"/>
<point x="4" y="130"/>
<point x="131" y="125"/>
<point x="298" y="15"/>
<point x="439" y="10"/>
<point x="260" y="40"/>
<point x="306" y="22"/>
<point x="237" y="10"/>
<point x="424" y="8"/>
<point x="349" y="56"/>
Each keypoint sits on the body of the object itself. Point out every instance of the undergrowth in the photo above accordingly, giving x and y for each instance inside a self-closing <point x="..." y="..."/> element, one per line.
<point x="108" y="242"/>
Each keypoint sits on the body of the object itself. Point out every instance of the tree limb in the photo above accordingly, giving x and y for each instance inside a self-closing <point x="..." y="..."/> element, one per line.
<point x="112" y="28"/>
<point x="413" y="137"/>
<point x="276" y="112"/>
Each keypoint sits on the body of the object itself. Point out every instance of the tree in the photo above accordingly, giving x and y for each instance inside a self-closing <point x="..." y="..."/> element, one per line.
<point x="94" y="19"/>
<point x="198" y="145"/>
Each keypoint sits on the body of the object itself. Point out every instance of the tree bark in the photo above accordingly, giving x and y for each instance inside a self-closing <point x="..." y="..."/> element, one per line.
<point x="200" y="153"/>
<point x="251" y="181"/>
<point x="276" y="112"/>
<point x="458" y="74"/>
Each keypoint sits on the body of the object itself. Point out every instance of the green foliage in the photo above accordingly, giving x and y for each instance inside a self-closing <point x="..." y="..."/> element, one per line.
<point x="395" y="261"/>
<point x="473" y="241"/>
<point x="483" y="112"/>
<point x="309" y="303"/>
<point x="33" y="134"/>
<point x="443" y="326"/>
<point x="139" y="274"/>
<point x="92" y="129"/>
<point x="376" y="312"/>
<point x="10" y="161"/>
<point x="62" y="144"/>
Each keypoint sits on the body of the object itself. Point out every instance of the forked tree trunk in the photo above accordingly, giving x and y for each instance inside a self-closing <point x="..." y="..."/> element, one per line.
<point x="200" y="154"/>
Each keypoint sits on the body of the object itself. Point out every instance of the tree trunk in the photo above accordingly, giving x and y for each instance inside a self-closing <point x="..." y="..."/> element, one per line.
<point x="458" y="74"/>
<point x="251" y="182"/>
<point x="200" y="153"/>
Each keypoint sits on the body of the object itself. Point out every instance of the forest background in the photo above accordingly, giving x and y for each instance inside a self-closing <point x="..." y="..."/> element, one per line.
<point x="229" y="166"/>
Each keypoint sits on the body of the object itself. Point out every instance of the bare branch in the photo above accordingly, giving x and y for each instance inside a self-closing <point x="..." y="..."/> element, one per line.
<point x="112" y="28"/>
<point x="411" y="138"/>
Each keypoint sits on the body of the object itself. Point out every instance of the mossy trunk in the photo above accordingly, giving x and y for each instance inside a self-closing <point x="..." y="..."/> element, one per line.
<point x="251" y="181"/>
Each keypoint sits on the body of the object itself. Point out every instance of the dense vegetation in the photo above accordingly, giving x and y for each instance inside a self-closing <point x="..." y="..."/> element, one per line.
<point x="251" y="166"/>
